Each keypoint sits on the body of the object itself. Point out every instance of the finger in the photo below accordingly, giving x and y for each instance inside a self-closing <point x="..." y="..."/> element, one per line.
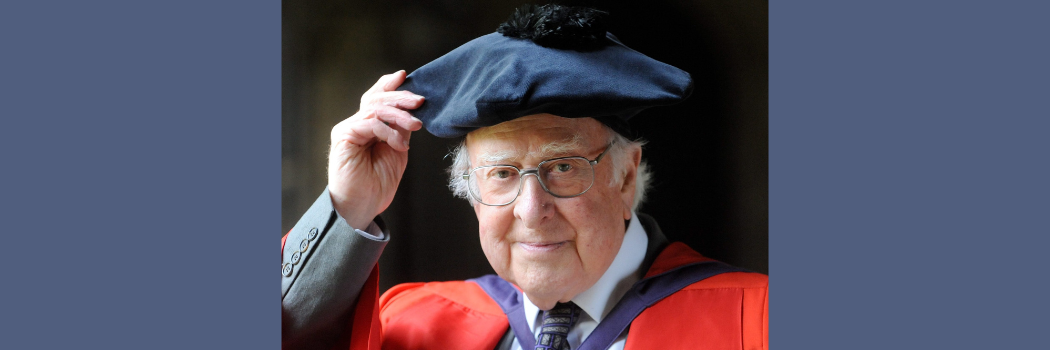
<point x="399" y="99"/>
<point x="403" y="135"/>
<point x="394" y="116"/>
<point x="389" y="134"/>
<point x="360" y="133"/>
<point x="349" y="129"/>
<point x="388" y="82"/>
<point x="365" y="132"/>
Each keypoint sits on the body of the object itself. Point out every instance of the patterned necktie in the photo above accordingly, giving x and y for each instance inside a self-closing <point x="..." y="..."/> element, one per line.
<point x="555" y="327"/>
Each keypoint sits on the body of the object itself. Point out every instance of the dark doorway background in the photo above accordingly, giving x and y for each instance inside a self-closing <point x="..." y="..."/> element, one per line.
<point x="708" y="154"/>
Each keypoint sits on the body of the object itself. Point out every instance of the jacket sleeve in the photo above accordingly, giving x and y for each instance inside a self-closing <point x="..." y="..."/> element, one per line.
<point x="324" y="266"/>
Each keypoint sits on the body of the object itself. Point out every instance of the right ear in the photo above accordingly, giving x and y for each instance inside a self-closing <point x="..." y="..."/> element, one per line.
<point x="630" y="179"/>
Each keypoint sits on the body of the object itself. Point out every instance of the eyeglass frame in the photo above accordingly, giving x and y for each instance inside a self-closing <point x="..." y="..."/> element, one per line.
<point x="536" y="172"/>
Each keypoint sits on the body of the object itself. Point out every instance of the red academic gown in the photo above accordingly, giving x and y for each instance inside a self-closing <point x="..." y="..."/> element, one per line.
<point x="726" y="311"/>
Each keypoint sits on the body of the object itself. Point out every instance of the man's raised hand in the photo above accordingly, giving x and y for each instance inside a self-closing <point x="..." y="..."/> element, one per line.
<point x="370" y="151"/>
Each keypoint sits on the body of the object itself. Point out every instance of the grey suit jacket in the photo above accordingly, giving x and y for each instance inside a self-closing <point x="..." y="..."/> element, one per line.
<point x="324" y="265"/>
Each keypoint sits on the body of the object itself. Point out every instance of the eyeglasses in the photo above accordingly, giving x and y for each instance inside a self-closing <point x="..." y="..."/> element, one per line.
<point x="565" y="177"/>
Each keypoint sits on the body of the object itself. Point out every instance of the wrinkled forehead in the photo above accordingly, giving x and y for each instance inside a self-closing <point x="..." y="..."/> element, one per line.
<point x="535" y="136"/>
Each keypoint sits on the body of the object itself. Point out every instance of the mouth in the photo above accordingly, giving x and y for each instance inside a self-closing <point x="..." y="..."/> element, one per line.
<point x="541" y="247"/>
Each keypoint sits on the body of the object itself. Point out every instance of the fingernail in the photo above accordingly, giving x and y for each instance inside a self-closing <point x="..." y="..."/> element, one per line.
<point x="417" y="97"/>
<point x="416" y="119"/>
<point x="405" y="142"/>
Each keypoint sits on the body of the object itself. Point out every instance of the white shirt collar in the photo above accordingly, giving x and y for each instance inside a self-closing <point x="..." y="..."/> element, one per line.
<point x="623" y="273"/>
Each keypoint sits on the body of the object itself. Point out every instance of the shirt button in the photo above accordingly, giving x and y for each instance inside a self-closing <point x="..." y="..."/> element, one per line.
<point x="313" y="234"/>
<point x="295" y="257"/>
<point x="304" y="245"/>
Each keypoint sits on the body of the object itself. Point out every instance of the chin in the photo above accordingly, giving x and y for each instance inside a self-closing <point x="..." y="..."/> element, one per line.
<point x="544" y="299"/>
<point x="547" y="287"/>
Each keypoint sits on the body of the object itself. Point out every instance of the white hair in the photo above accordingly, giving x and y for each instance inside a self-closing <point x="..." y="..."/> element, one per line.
<point x="619" y="153"/>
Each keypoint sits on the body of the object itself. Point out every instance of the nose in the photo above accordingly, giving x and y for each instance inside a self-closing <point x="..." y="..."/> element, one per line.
<point x="534" y="205"/>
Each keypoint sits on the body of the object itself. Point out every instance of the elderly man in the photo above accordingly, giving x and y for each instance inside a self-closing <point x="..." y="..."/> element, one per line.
<point x="549" y="96"/>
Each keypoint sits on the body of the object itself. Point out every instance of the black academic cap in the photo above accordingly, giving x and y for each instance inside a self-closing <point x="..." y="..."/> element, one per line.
<point x="497" y="78"/>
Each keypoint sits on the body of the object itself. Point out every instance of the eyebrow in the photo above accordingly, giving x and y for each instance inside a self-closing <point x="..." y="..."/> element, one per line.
<point x="561" y="147"/>
<point x="546" y="151"/>
<point x="498" y="156"/>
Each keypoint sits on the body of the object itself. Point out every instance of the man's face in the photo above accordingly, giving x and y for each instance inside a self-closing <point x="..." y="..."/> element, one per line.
<point x="553" y="248"/>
